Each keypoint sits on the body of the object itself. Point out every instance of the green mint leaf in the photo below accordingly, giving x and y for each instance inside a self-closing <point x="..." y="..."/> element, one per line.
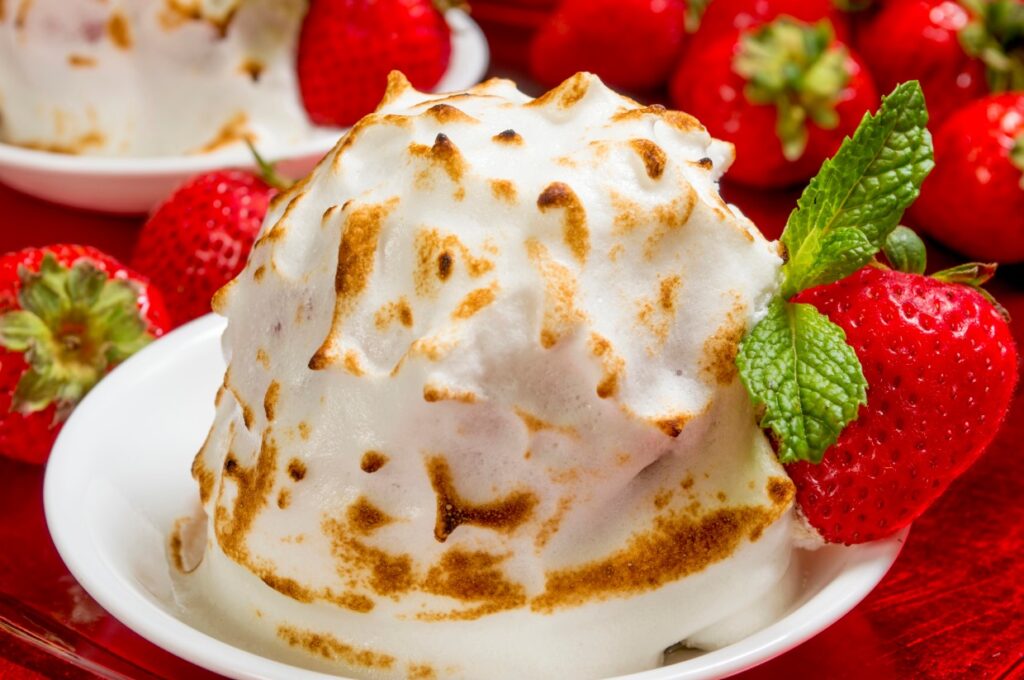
<point x="796" y="365"/>
<point x="905" y="251"/>
<point x="864" y="188"/>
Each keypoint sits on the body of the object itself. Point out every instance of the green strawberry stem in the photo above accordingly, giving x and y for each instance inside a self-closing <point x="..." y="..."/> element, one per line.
<point x="1017" y="156"/>
<point x="268" y="171"/>
<point x="905" y="251"/>
<point x="796" y="68"/>
<point x="694" y="12"/>
<point x="73" y="326"/>
<point x="996" y="36"/>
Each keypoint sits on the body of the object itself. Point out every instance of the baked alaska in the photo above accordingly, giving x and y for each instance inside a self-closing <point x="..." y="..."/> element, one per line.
<point x="481" y="416"/>
<point x="149" y="77"/>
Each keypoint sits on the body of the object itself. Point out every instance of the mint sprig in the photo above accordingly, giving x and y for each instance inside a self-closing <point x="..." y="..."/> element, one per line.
<point x="859" y="195"/>
<point x="795" y="363"/>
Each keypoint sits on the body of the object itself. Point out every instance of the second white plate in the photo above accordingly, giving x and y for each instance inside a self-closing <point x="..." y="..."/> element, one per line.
<point x="135" y="185"/>
<point x="119" y="477"/>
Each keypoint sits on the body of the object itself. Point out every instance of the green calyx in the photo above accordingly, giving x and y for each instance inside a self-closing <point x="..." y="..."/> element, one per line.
<point x="905" y="251"/>
<point x="797" y="68"/>
<point x="73" y="326"/>
<point x="995" y="35"/>
<point x="974" y="275"/>
<point x="1017" y="156"/>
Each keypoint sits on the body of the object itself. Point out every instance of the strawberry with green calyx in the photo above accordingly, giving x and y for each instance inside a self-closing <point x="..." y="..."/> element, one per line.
<point x="793" y="68"/>
<point x="995" y="35"/>
<point x="961" y="50"/>
<point x="786" y="94"/>
<point x="69" y="315"/>
<point x="879" y="386"/>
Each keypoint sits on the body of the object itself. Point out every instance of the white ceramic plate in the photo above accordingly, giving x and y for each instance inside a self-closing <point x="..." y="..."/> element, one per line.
<point x="119" y="477"/>
<point x="135" y="185"/>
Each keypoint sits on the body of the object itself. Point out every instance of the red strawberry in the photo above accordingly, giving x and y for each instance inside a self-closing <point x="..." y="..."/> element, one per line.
<point x="947" y="47"/>
<point x="200" y="238"/>
<point x="69" y="314"/>
<point x="974" y="199"/>
<point x="348" y="47"/>
<point x="724" y="18"/>
<point x="630" y="44"/>
<point x="785" y="94"/>
<point x="941" y="368"/>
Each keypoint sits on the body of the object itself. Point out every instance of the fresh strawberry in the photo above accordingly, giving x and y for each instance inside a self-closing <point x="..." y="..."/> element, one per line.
<point x="785" y="94"/>
<point x="630" y="44"/>
<point x="941" y="367"/>
<point x="974" y="200"/>
<point x="200" y="237"/>
<point x="347" y="48"/>
<point x="958" y="50"/>
<point x="69" y="314"/>
<point x="729" y="18"/>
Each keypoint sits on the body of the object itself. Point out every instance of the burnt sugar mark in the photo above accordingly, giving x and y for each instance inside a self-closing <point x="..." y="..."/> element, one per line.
<point x="372" y="461"/>
<point x="503" y="514"/>
<point x="296" y="470"/>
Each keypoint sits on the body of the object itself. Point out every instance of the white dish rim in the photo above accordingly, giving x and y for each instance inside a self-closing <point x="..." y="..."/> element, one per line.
<point x="67" y="472"/>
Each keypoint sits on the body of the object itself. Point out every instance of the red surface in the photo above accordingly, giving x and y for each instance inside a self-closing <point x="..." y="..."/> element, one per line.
<point x="950" y="608"/>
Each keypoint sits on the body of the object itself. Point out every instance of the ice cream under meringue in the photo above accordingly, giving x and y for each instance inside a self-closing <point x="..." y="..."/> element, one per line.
<point x="481" y="416"/>
<point x="149" y="77"/>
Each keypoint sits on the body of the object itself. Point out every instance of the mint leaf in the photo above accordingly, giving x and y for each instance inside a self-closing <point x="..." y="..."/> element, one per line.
<point x="859" y="195"/>
<point x="795" y="363"/>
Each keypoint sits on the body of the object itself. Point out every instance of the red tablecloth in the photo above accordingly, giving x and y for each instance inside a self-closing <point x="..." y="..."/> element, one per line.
<point x="951" y="607"/>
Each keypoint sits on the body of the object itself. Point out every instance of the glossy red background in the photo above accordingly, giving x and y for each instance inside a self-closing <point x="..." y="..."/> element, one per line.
<point x="952" y="607"/>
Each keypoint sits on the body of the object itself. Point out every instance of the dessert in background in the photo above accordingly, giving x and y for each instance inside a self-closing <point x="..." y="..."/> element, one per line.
<point x="482" y="411"/>
<point x="148" y="78"/>
<point x="171" y="77"/>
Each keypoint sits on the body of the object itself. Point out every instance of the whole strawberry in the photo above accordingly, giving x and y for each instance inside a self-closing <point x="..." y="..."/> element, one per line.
<point x="786" y="94"/>
<point x="631" y="44"/>
<point x="974" y="200"/>
<point x="941" y="367"/>
<point x="878" y="387"/>
<point x="200" y="237"/>
<point x="958" y="50"/>
<point x="68" y="314"/>
<point x="348" y="47"/>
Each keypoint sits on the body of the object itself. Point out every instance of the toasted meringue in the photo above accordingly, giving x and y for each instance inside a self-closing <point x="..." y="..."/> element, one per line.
<point x="481" y="416"/>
